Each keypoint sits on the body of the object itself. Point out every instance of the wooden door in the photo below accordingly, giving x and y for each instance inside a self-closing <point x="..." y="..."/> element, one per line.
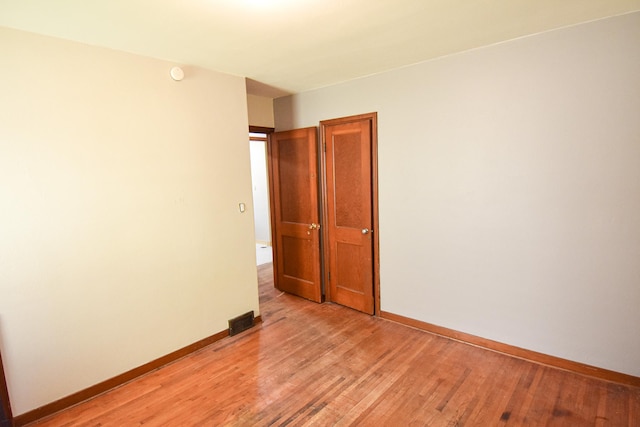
<point x="349" y="181"/>
<point x="293" y="165"/>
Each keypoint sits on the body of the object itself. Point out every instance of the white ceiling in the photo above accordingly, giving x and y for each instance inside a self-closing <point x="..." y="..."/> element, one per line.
<point x="299" y="45"/>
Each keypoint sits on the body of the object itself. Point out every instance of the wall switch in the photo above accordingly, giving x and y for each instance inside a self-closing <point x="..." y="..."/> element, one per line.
<point x="242" y="207"/>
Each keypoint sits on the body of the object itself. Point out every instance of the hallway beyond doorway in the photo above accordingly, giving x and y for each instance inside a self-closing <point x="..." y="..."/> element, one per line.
<point x="264" y="254"/>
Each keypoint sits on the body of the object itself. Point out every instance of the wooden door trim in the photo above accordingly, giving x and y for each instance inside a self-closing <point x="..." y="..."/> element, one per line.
<point x="261" y="129"/>
<point x="272" y="208"/>
<point x="373" y="118"/>
<point x="4" y="398"/>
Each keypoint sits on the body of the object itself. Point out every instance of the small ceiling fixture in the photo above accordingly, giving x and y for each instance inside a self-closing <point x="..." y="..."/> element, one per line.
<point x="177" y="74"/>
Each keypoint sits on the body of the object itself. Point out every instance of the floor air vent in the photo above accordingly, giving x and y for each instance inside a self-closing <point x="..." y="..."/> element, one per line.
<point x="241" y="323"/>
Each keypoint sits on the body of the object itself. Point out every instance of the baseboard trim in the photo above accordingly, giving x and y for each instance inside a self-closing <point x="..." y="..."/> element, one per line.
<point x="532" y="356"/>
<point x="97" y="389"/>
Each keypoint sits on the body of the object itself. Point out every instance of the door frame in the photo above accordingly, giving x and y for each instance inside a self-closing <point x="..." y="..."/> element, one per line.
<point x="266" y="131"/>
<point x="4" y="399"/>
<point x="375" y="232"/>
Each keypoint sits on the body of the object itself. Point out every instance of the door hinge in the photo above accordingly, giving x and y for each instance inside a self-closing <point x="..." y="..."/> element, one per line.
<point x="324" y="147"/>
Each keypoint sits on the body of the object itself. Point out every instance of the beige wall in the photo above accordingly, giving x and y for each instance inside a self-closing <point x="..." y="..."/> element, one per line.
<point x="509" y="181"/>
<point x="260" y="111"/>
<point x="120" y="234"/>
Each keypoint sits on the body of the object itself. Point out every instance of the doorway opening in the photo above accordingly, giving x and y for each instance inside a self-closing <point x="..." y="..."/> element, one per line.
<point x="258" y="137"/>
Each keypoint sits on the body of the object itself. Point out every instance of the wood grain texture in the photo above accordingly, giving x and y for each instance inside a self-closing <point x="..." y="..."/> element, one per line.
<point x="293" y="185"/>
<point x="349" y="207"/>
<point x="261" y="129"/>
<point x="97" y="389"/>
<point x="529" y="355"/>
<point x="312" y="364"/>
<point x="352" y="193"/>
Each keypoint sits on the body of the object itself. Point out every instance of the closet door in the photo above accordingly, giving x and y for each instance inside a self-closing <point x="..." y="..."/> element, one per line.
<point x="350" y="176"/>
<point x="293" y="164"/>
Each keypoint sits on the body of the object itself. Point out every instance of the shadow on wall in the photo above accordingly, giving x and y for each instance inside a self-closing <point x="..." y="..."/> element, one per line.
<point x="284" y="113"/>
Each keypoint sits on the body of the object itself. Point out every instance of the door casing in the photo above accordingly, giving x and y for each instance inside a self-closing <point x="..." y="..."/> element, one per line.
<point x="6" y="418"/>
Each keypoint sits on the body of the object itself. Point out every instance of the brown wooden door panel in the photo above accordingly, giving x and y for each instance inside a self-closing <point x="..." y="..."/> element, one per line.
<point x="294" y="186"/>
<point x="349" y="207"/>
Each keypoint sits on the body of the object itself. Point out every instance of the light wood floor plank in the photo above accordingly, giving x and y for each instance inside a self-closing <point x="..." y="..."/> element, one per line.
<point x="312" y="364"/>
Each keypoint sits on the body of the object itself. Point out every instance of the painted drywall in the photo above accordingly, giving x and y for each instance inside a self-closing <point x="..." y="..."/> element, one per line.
<point x="509" y="180"/>
<point x="261" y="208"/>
<point x="120" y="234"/>
<point x="260" y="110"/>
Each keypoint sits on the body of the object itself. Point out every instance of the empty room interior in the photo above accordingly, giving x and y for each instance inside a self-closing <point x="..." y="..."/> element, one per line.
<point x="453" y="211"/>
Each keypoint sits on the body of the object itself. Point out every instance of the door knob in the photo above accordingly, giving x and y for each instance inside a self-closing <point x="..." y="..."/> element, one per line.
<point x="314" y="226"/>
<point x="365" y="230"/>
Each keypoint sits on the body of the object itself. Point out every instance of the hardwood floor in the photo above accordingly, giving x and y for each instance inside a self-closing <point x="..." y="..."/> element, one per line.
<point x="324" y="365"/>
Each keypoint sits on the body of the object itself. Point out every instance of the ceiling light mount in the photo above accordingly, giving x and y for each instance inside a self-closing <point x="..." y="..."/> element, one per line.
<point x="176" y="73"/>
